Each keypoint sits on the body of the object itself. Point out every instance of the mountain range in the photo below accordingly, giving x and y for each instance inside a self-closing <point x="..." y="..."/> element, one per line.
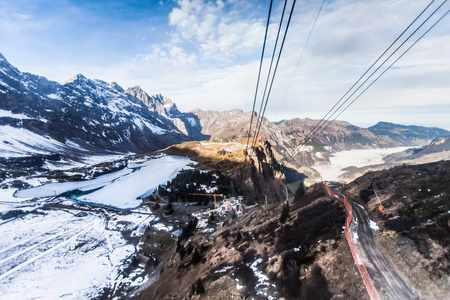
<point x="85" y="116"/>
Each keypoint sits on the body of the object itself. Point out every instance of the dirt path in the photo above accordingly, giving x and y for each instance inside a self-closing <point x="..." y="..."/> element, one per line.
<point x="386" y="274"/>
<point x="393" y="286"/>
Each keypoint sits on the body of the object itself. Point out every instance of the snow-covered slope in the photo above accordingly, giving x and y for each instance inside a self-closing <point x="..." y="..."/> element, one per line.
<point x="38" y="116"/>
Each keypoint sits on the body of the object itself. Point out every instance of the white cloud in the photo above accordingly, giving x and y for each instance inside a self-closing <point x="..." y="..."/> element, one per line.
<point x="215" y="29"/>
<point x="168" y="54"/>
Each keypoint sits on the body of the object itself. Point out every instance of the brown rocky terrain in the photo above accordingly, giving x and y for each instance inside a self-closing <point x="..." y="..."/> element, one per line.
<point x="414" y="225"/>
<point x="259" y="257"/>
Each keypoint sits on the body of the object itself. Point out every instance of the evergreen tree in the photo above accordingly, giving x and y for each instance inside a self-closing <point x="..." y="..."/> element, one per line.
<point x="197" y="288"/>
<point x="196" y="258"/>
<point x="168" y="209"/>
<point x="238" y="237"/>
<point x="299" y="192"/>
<point x="284" y="213"/>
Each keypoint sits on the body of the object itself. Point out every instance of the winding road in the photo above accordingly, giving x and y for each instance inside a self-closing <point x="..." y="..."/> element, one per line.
<point x="382" y="271"/>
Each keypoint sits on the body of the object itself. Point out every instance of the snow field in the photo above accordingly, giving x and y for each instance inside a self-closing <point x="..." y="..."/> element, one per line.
<point x="19" y="142"/>
<point x="54" y="189"/>
<point x="56" y="254"/>
<point x="125" y="191"/>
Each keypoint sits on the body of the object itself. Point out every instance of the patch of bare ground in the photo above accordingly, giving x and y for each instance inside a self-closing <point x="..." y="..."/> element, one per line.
<point x="415" y="223"/>
<point x="306" y="257"/>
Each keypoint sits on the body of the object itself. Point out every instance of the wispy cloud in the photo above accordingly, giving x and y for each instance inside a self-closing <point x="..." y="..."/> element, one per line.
<point x="215" y="29"/>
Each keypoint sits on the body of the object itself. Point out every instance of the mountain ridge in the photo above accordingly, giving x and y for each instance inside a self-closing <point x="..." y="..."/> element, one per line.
<point x="106" y="118"/>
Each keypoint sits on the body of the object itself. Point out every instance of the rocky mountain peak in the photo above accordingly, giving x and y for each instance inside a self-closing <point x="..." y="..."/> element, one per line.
<point x="4" y="64"/>
<point x="77" y="78"/>
<point x="157" y="103"/>
<point x="113" y="85"/>
<point x="2" y="58"/>
<point x="139" y="93"/>
<point x="236" y="111"/>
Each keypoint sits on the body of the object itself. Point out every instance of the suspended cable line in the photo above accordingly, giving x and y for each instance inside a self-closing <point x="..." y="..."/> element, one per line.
<point x="329" y="123"/>
<point x="259" y="74"/>
<point x="270" y="67"/>
<point x="300" y="57"/>
<point x="313" y="133"/>
<point x="322" y="121"/>
<point x="274" y="73"/>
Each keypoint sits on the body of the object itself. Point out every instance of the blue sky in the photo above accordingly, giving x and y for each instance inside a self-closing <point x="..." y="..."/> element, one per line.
<point x="205" y="53"/>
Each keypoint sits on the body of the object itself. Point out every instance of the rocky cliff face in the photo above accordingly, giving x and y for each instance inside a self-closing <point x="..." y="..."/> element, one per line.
<point x="187" y="123"/>
<point x="234" y="124"/>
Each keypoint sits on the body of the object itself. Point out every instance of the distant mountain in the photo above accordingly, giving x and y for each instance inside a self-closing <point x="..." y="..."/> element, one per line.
<point x="187" y="123"/>
<point x="38" y="116"/>
<point x="286" y="135"/>
<point x="234" y="124"/>
<point x="89" y="116"/>
<point x="438" y="149"/>
<point x="411" y="135"/>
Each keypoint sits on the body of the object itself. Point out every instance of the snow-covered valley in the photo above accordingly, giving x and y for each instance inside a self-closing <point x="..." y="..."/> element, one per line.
<point x="356" y="157"/>
<point x="53" y="246"/>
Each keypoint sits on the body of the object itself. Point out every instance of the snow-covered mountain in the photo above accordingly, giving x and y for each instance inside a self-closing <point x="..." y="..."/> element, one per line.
<point x="90" y="116"/>
<point x="187" y="123"/>
<point x="38" y="116"/>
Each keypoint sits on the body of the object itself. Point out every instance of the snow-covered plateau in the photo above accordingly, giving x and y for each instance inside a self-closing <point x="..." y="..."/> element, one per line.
<point x="56" y="247"/>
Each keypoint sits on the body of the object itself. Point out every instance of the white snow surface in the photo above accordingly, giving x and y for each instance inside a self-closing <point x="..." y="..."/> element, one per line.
<point x="224" y="269"/>
<point x="192" y="121"/>
<point x="356" y="157"/>
<point x="54" y="189"/>
<point x="162" y="227"/>
<point x="56" y="254"/>
<point x="263" y="281"/>
<point x="19" y="142"/>
<point x="373" y="225"/>
<point x="120" y="189"/>
<point x="208" y="189"/>
<point x="124" y="192"/>
<point x="7" y="113"/>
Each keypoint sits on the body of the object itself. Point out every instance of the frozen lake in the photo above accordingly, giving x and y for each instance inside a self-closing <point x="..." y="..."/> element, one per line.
<point x="356" y="157"/>
<point x="121" y="189"/>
